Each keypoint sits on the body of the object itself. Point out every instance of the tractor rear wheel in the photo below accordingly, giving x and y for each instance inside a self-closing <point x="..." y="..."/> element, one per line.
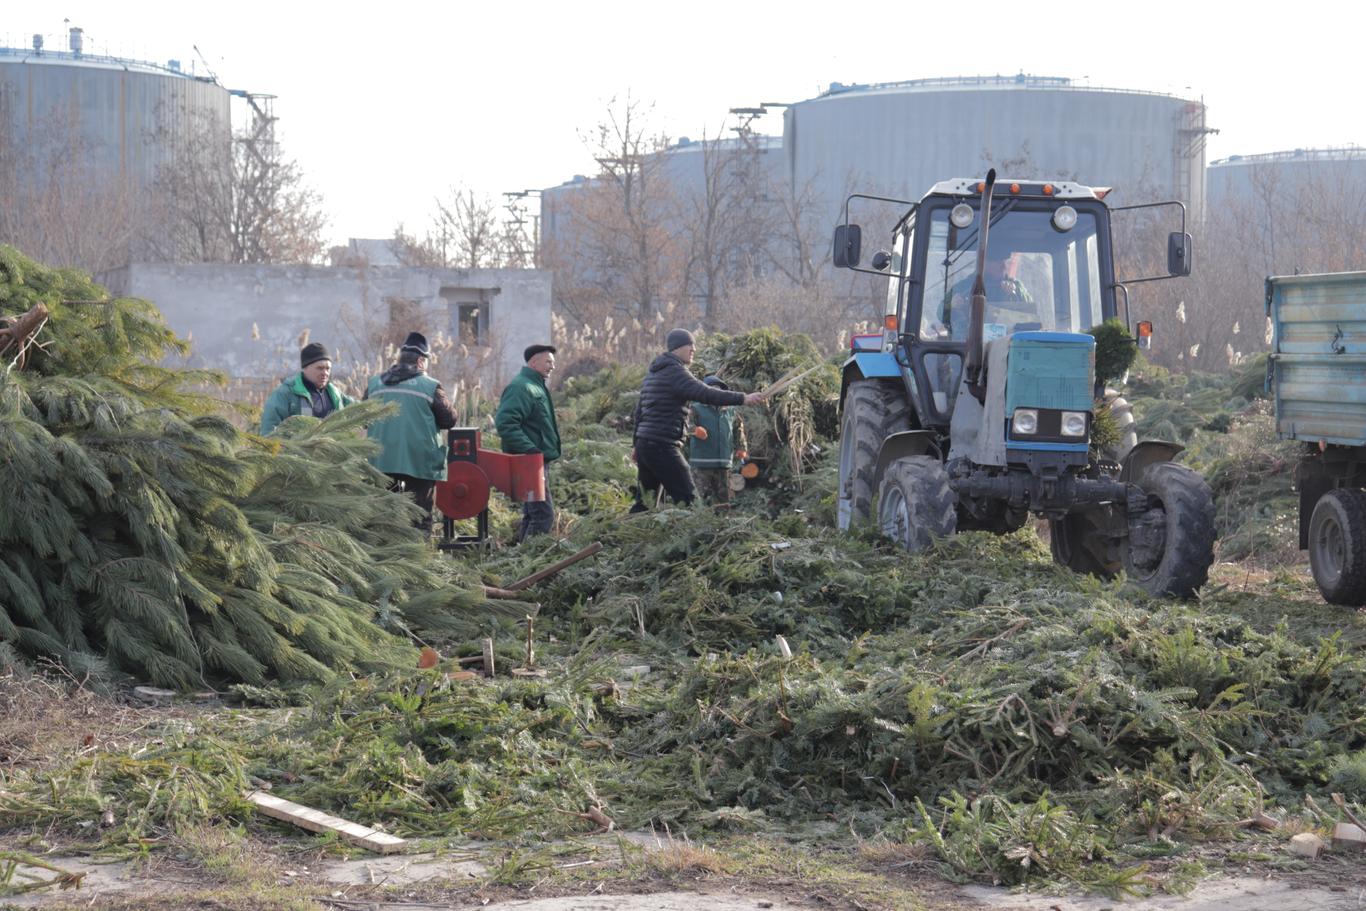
<point x="1337" y="546"/>
<point x="873" y="411"/>
<point x="915" y="504"/>
<point x="1170" y="547"/>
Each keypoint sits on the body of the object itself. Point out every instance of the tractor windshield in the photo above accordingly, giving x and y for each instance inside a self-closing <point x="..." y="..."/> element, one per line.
<point x="1037" y="276"/>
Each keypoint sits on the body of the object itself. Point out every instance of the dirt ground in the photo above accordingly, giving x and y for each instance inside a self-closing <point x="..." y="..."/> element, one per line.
<point x="223" y="868"/>
<point x="428" y="881"/>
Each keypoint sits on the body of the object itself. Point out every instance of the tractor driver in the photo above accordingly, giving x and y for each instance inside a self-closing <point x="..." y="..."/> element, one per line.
<point x="1004" y="292"/>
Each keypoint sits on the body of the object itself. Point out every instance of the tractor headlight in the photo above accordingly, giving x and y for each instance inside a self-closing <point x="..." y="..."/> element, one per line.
<point x="1065" y="218"/>
<point x="1074" y="423"/>
<point x="1025" y="422"/>
<point x="961" y="216"/>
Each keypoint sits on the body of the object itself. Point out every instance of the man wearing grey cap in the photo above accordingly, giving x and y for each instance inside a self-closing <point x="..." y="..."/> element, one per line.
<point x="307" y="392"/>
<point x="526" y="423"/>
<point x="662" y="413"/>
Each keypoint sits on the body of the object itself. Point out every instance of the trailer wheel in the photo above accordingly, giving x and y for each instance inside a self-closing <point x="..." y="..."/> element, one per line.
<point x="1170" y="547"/>
<point x="915" y="503"/>
<point x="873" y="411"/>
<point x="1337" y="546"/>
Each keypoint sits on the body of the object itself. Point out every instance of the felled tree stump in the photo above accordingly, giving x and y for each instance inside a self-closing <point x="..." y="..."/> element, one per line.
<point x="15" y="332"/>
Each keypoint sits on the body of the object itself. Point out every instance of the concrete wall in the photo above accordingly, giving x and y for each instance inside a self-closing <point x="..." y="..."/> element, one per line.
<point x="250" y="321"/>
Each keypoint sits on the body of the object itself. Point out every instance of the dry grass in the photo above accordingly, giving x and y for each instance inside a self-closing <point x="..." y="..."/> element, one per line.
<point x="47" y="716"/>
<point x="674" y="857"/>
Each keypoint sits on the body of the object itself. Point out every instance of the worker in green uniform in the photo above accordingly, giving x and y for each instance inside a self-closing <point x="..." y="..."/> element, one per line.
<point x="526" y="423"/>
<point x="718" y="439"/>
<point x="412" y="449"/>
<point x="309" y="391"/>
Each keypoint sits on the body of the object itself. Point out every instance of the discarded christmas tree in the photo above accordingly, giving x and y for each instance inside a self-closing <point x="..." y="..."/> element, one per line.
<point x="145" y="535"/>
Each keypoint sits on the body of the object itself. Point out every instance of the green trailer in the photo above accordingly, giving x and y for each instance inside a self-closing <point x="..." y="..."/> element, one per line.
<point x="1317" y="377"/>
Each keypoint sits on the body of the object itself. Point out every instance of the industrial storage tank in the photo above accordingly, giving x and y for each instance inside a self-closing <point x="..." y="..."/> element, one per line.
<point x="1279" y="182"/>
<point x="125" y="118"/>
<point x="898" y="139"/>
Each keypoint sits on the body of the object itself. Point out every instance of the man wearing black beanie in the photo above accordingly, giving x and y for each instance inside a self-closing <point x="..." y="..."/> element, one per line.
<point x="309" y="391"/>
<point x="662" y="413"/>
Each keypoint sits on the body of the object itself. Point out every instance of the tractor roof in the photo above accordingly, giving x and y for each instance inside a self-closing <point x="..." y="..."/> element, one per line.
<point x="1061" y="189"/>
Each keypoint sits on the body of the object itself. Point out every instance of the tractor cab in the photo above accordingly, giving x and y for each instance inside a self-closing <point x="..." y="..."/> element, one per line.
<point x="1048" y="269"/>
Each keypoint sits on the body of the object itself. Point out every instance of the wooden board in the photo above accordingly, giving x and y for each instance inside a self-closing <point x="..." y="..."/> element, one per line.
<point x="318" y="821"/>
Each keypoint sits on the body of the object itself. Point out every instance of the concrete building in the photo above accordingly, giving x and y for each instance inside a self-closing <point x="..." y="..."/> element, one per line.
<point x="250" y="321"/>
<point x="900" y="138"/>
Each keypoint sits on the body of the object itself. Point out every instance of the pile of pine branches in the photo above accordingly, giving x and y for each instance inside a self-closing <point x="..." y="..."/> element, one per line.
<point x="143" y="534"/>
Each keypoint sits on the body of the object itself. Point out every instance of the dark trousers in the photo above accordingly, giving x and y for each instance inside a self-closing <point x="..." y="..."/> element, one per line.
<point x="537" y="517"/>
<point x="713" y="484"/>
<point x="423" y="491"/>
<point x="663" y="463"/>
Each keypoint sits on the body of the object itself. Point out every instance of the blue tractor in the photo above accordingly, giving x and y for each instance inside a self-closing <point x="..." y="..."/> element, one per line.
<point x="974" y="407"/>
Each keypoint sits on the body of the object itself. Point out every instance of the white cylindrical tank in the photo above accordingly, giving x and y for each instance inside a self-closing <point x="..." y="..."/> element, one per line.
<point x="898" y="139"/>
<point x="125" y="118"/>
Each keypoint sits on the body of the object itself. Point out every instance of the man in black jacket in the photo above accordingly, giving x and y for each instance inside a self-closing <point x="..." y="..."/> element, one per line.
<point x="662" y="414"/>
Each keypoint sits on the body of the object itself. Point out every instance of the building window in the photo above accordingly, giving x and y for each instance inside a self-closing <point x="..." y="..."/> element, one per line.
<point x="473" y="324"/>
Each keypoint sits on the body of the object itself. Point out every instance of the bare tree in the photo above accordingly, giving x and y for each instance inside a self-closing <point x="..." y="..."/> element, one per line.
<point x="55" y="205"/>
<point x="620" y="252"/>
<point x="240" y="202"/>
<point x="469" y="224"/>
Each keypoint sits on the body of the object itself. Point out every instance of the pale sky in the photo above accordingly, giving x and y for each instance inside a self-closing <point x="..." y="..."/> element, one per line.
<point x="386" y="105"/>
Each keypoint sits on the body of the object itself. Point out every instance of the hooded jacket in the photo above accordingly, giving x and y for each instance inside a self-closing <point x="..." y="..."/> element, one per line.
<point x="662" y="412"/>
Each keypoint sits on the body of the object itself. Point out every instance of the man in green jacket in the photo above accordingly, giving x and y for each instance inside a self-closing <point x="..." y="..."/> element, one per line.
<point x="526" y="423"/>
<point x="412" y="451"/>
<point x="307" y="392"/>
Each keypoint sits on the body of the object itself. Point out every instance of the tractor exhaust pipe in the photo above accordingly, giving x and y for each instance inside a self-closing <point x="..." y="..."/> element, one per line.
<point x="972" y="361"/>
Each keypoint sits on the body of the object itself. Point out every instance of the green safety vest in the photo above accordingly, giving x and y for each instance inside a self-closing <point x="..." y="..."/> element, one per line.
<point x="410" y="441"/>
<point x="718" y="449"/>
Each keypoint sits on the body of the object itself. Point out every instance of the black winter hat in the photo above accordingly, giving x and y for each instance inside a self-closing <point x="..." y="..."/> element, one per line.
<point x="416" y="341"/>
<point x="312" y="353"/>
<point x="533" y="350"/>
<point x="677" y="338"/>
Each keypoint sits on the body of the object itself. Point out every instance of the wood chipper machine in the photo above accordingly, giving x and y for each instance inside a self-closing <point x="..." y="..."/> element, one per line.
<point x="472" y="474"/>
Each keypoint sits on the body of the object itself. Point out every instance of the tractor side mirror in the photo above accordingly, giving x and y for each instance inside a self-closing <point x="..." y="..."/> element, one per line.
<point x="848" y="241"/>
<point x="881" y="260"/>
<point x="1178" y="254"/>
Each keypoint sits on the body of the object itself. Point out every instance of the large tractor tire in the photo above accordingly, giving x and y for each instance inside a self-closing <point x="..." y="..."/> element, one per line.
<point x="873" y="411"/>
<point x="1337" y="546"/>
<point x="1081" y="542"/>
<point x="915" y="504"/>
<point x="1170" y="547"/>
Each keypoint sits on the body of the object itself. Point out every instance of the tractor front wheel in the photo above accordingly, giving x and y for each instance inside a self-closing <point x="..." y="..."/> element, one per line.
<point x="915" y="503"/>
<point x="1170" y="546"/>
<point x="873" y="411"/>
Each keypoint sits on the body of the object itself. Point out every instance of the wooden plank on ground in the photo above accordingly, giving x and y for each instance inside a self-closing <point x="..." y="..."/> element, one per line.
<point x="318" y="821"/>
